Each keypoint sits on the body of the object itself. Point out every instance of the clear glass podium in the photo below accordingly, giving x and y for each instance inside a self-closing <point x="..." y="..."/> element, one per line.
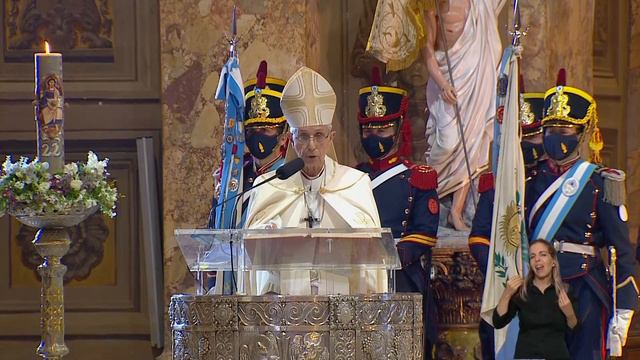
<point x="288" y="261"/>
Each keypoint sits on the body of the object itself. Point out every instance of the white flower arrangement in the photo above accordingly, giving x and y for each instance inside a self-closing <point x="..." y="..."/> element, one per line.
<point x="27" y="188"/>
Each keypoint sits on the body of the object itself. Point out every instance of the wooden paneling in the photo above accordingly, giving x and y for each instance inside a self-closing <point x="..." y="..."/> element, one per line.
<point x="111" y="300"/>
<point x="119" y="63"/>
<point x="610" y="68"/>
<point x="610" y="49"/>
<point x="111" y="75"/>
<point x="113" y="283"/>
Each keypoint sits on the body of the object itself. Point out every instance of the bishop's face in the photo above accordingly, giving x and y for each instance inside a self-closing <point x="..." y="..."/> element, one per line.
<point x="311" y="143"/>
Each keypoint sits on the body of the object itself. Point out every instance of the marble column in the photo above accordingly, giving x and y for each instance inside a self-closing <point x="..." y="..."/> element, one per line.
<point x="632" y="123"/>
<point x="560" y="35"/>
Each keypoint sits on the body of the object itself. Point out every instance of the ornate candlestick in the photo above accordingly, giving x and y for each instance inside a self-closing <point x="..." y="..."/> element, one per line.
<point x="51" y="196"/>
<point x="52" y="243"/>
<point x="52" y="202"/>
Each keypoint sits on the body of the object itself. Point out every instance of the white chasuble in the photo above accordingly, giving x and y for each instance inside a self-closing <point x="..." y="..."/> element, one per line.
<point x="340" y="197"/>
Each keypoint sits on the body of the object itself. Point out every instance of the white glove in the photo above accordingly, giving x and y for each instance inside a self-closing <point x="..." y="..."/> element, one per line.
<point x="618" y="331"/>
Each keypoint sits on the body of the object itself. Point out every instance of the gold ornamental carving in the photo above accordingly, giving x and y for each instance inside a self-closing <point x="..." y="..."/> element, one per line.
<point x="296" y="327"/>
<point x="69" y="24"/>
<point x="52" y="243"/>
<point x="526" y="116"/>
<point x="259" y="108"/>
<point x="457" y="285"/>
<point x="375" y="104"/>
<point x="559" y="104"/>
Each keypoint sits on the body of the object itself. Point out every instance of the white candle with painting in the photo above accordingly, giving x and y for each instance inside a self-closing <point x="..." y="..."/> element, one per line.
<point x="49" y="107"/>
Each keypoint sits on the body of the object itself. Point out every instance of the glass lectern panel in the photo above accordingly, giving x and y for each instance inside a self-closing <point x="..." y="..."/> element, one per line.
<point x="320" y="249"/>
<point x="210" y="250"/>
<point x="295" y="261"/>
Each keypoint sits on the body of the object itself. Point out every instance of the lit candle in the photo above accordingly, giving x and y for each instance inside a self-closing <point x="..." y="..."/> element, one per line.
<point x="49" y="107"/>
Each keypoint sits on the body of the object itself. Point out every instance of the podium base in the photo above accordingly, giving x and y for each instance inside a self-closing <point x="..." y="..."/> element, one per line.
<point x="378" y="326"/>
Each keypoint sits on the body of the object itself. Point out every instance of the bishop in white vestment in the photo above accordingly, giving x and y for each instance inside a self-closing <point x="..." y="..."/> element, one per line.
<point x="324" y="194"/>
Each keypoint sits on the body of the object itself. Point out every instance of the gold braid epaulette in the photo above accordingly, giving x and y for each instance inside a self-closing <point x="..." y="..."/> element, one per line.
<point x="423" y="177"/>
<point x="614" y="190"/>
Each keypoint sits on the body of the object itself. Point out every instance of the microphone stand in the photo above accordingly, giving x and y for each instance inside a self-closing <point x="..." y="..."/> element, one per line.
<point x="234" y="283"/>
<point x="236" y="197"/>
<point x="285" y="174"/>
<point x="246" y="191"/>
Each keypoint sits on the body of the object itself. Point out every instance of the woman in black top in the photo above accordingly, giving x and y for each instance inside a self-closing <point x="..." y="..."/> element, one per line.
<point x="544" y="309"/>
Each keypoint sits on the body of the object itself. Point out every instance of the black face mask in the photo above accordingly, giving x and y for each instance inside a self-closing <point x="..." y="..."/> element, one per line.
<point x="376" y="146"/>
<point x="531" y="152"/>
<point x="261" y="145"/>
<point x="558" y="146"/>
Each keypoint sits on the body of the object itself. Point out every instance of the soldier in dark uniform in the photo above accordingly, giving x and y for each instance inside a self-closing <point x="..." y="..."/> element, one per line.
<point x="531" y="106"/>
<point x="266" y="132"/>
<point x="579" y="206"/>
<point x="405" y="193"/>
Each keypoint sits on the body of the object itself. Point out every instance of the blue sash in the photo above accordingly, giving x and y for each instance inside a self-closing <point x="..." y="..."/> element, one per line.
<point x="563" y="200"/>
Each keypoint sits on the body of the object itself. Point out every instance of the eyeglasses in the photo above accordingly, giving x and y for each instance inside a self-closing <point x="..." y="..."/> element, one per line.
<point x="318" y="138"/>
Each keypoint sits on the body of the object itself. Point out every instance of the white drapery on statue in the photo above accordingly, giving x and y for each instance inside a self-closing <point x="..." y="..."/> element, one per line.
<point x="475" y="58"/>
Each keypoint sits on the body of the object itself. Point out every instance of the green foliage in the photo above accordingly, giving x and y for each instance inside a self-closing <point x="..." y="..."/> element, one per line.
<point x="27" y="188"/>
<point x="500" y="266"/>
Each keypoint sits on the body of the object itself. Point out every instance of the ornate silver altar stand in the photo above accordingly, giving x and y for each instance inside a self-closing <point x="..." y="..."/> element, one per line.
<point x="355" y="325"/>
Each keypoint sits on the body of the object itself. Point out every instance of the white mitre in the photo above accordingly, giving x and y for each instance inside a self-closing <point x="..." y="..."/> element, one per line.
<point x="308" y="100"/>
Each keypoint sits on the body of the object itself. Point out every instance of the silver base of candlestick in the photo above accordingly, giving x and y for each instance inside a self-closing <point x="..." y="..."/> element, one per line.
<point x="52" y="243"/>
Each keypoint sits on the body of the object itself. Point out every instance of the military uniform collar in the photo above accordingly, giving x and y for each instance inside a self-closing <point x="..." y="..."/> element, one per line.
<point x="266" y="167"/>
<point x="560" y="169"/>
<point x="386" y="163"/>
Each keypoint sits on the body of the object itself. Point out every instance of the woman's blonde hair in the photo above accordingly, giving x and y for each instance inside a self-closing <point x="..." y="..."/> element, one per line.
<point x="556" y="279"/>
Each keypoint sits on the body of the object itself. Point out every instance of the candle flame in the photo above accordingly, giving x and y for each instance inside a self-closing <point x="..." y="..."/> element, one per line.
<point x="46" y="47"/>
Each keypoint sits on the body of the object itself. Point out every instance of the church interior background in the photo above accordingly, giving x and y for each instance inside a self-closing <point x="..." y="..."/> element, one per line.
<point x="149" y="68"/>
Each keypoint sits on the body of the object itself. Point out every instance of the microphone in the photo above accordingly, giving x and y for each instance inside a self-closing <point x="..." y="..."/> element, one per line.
<point x="283" y="172"/>
<point x="287" y="170"/>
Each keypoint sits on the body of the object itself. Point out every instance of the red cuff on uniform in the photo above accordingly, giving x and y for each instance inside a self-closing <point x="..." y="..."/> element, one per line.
<point x="486" y="182"/>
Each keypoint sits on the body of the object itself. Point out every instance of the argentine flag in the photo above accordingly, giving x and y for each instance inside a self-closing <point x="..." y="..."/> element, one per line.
<point x="509" y="243"/>
<point x="231" y="91"/>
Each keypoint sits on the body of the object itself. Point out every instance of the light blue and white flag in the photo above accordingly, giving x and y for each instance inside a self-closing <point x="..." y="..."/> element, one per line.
<point x="509" y="244"/>
<point x="501" y="98"/>
<point x="231" y="91"/>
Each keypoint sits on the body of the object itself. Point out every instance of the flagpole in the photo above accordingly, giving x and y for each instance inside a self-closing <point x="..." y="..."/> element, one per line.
<point x="230" y="89"/>
<point x="507" y="253"/>
<point x="232" y="54"/>
<point x="516" y="35"/>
